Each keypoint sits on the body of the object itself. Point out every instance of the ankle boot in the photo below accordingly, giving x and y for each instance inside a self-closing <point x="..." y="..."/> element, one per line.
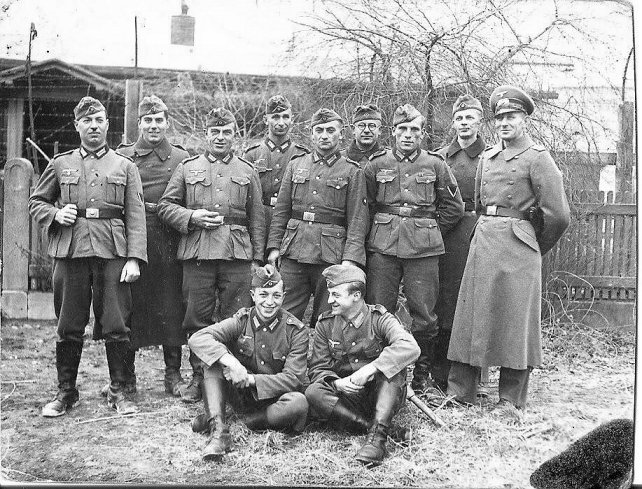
<point x="67" y="360"/>
<point x="373" y="451"/>
<point x="173" y="380"/>
<point x="422" y="382"/>
<point x="192" y="393"/>
<point x="343" y="418"/>
<point x="117" y="397"/>
<point x="220" y="440"/>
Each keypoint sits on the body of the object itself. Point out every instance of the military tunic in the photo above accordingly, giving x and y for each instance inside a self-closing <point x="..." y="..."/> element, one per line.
<point x="217" y="258"/>
<point x="319" y="220"/>
<point x="276" y="352"/>
<point x="414" y="199"/>
<point x="100" y="181"/>
<point x="158" y="308"/>
<point x="497" y="320"/>
<point x="342" y="347"/>
<point x="270" y="162"/>
<point x="361" y="156"/>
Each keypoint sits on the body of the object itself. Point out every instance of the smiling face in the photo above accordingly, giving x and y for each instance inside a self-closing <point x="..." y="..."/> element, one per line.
<point x="345" y="301"/>
<point x="153" y="127"/>
<point x="279" y="123"/>
<point x="93" y="129"/>
<point x="367" y="132"/>
<point x="221" y="138"/>
<point x="326" y="137"/>
<point x="510" y="125"/>
<point x="267" y="301"/>
<point x="408" y="135"/>
<point x="466" y="123"/>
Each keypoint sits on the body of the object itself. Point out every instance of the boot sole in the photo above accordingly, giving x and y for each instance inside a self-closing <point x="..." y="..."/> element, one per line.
<point x="56" y="414"/>
<point x="368" y="462"/>
<point x="211" y="457"/>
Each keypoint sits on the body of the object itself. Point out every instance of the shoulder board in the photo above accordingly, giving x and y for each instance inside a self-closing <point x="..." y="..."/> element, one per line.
<point x="377" y="154"/>
<point x="62" y="154"/>
<point x="291" y="319"/>
<point x="178" y="146"/>
<point x="491" y="151"/>
<point x="435" y="153"/>
<point x="124" y="156"/>
<point x="254" y="146"/>
<point x="379" y="308"/>
<point x="245" y="161"/>
<point x="538" y="147"/>
<point x="355" y="163"/>
<point x="243" y="311"/>
<point x="125" y="145"/>
<point x="298" y="155"/>
<point x="325" y="315"/>
<point x="300" y="146"/>
<point x="190" y="158"/>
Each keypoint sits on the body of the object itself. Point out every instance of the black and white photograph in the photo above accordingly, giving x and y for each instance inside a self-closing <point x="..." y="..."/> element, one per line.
<point x="319" y="243"/>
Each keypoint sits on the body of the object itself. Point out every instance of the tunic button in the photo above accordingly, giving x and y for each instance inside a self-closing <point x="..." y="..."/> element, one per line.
<point x="93" y="200"/>
<point x="483" y="183"/>
<point x="353" y="343"/>
<point x="509" y="196"/>
<point x="277" y="166"/>
<point x="407" y="174"/>
<point x="403" y="218"/>
<point x="511" y="182"/>
<point x="318" y="178"/>
<point x="311" y="207"/>
<point x="262" y="346"/>
<point x="262" y="362"/>
<point x="314" y="192"/>
<point x="486" y="169"/>
<point x="513" y="169"/>
<point x="218" y="189"/>
<point x="93" y="184"/>
<point x="276" y="180"/>
<point x="356" y="360"/>
<point x="405" y="204"/>
<point x="217" y="205"/>
<point x="406" y="189"/>
<point x="264" y="329"/>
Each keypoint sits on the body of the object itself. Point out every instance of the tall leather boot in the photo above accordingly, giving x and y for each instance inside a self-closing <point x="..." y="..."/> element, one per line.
<point x="173" y="379"/>
<point x="192" y="393"/>
<point x="67" y="360"/>
<point x="344" y="418"/>
<point x="220" y="440"/>
<point x="422" y="382"/>
<point x="117" y="397"/>
<point x="390" y="395"/>
<point x="130" y="370"/>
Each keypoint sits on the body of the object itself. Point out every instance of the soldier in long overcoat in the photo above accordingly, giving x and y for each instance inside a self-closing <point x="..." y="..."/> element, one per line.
<point x="158" y="309"/>
<point x="523" y="210"/>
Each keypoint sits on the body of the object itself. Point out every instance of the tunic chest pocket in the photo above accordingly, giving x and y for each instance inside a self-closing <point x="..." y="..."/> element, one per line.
<point x="116" y="189"/>
<point x="197" y="188"/>
<point x="300" y="177"/>
<point x="336" y="352"/>
<point x="339" y="190"/>
<point x="238" y="192"/>
<point x="245" y="345"/>
<point x="372" y="350"/>
<point x="69" y="188"/>
<point x="278" y="359"/>
<point x="385" y="179"/>
<point x="425" y="186"/>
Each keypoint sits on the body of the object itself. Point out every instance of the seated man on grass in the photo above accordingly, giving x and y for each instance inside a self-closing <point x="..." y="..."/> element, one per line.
<point x="256" y="361"/>
<point x="358" y="365"/>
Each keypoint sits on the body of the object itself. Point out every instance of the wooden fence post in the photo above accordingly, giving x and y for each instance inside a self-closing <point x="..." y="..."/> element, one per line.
<point x="625" y="149"/>
<point x="18" y="174"/>
<point x="133" y="91"/>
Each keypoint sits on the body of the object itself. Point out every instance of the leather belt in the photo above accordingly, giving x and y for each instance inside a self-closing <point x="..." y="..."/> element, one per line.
<point x="405" y="211"/>
<point x="469" y="206"/>
<point x="96" y="213"/>
<point x="271" y="200"/>
<point x="494" y="210"/>
<point x="151" y="207"/>
<point x="239" y="221"/>
<point x="318" y="217"/>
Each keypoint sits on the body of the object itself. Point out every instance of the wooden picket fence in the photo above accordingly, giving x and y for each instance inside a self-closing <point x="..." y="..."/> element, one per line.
<point x="596" y="259"/>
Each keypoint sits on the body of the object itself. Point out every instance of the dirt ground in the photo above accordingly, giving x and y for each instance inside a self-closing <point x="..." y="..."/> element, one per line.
<point x="587" y="379"/>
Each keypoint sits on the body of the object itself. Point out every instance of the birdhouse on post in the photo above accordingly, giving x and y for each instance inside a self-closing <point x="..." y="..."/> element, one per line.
<point x="183" y="27"/>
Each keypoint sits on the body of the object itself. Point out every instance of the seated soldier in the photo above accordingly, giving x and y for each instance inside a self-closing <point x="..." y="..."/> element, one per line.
<point x="256" y="361"/>
<point x="358" y="365"/>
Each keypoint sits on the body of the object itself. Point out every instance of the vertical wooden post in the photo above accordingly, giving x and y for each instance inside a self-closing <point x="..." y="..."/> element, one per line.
<point x="133" y="91"/>
<point x="625" y="150"/>
<point x="18" y="173"/>
<point x="15" y="127"/>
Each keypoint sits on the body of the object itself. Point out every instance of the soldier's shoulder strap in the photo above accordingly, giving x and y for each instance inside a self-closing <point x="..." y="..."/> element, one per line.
<point x="378" y="308"/>
<point x="324" y="316"/>
<point x="189" y="158"/>
<point x="245" y="161"/>
<point x="292" y="320"/>
<point x="355" y="163"/>
<point x="376" y="154"/>
<point x="301" y="147"/>
<point x="58" y="155"/>
<point x="298" y="155"/>
<point x="122" y="155"/>
<point x="538" y="147"/>
<point x="252" y="146"/>
<point x="242" y="312"/>
<point x="493" y="150"/>
<point x="435" y="153"/>
<point x="125" y="145"/>
<point x="178" y="146"/>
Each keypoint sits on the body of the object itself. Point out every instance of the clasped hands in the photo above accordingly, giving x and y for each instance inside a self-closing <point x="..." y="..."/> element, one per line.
<point x="357" y="380"/>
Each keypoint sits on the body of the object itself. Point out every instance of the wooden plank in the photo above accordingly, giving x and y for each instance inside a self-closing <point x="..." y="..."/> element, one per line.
<point x="617" y="264"/>
<point x="620" y="209"/>
<point x="608" y="245"/>
<point x="599" y="281"/>
<point x="15" y="127"/>
<point x="133" y="93"/>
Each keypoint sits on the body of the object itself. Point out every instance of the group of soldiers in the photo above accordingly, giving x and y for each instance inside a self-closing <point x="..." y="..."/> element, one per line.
<point x="226" y="252"/>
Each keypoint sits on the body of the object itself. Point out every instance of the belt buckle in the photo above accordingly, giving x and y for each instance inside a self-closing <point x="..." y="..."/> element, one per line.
<point x="491" y="210"/>
<point x="92" y="213"/>
<point x="151" y="206"/>
<point x="272" y="201"/>
<point x="308" y="216"/>
<point x="405" y="211"/>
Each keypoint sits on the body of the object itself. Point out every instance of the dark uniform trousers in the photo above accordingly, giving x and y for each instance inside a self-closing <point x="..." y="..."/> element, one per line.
<point x="308" y="280"/>
<point x="75" y="281"/>
<point x="463" y="380"/>
<point x="232" y="280"/>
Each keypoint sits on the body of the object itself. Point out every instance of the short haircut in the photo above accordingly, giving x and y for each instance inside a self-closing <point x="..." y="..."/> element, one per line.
<point x="357" y="287"/>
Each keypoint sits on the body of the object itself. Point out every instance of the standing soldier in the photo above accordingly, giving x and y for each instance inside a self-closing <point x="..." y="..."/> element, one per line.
<point x="358" y="366"/>
<point x="462" y="156"/>
<point x="90" y="201"/>
<point x="366" y="126"/>
<point x="271" y="156"/>
<point x="256" y="361"/>
<point x="320" y="217"/>
<point x="523" y="210"/>
<point x="214" y="201"/>
<point x="158" y="304"/>
<point x="414" y="199"/>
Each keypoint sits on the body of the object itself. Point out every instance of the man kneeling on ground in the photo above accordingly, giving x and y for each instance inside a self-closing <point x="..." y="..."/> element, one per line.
<point x="256" y="361"/>
<point x="358" y="365"/>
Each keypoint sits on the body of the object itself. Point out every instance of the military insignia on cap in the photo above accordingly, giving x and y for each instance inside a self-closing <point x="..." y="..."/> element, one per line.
<point x="277" y="103"/>
<point x="266" y="277"/>
<point x="405" y="113"/>
<point x="88" y="106"/>
<point x="151" y="105"/>
<point x="220" y="117"/>
<point x="366" y="112"/>
<point x="323" y="116"/>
